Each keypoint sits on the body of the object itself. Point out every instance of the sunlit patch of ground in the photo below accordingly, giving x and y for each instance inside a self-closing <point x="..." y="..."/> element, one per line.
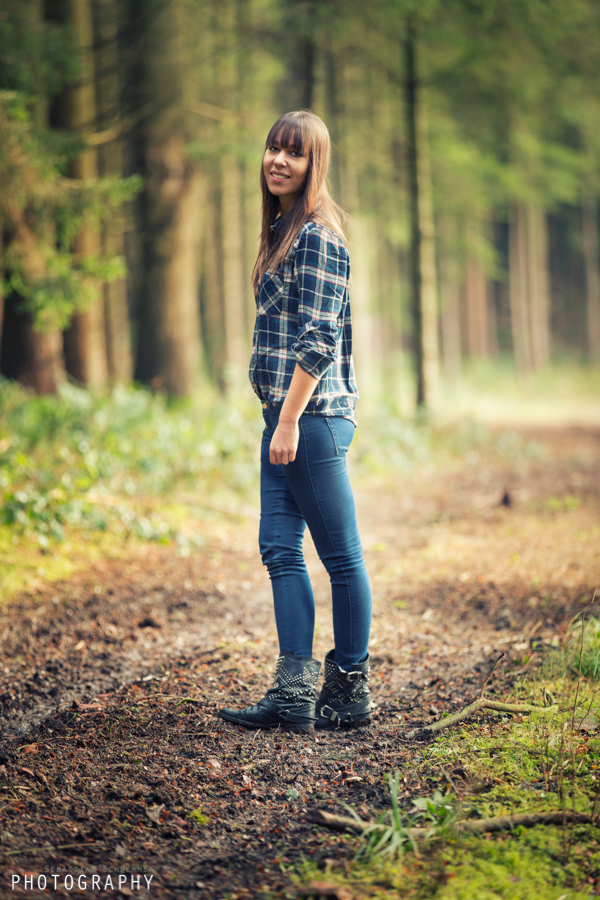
<point x="114" y="672"/>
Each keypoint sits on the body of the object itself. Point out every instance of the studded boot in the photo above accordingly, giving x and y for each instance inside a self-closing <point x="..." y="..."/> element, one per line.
<point x="290" y="703"/>
<point x="345" y="698"/>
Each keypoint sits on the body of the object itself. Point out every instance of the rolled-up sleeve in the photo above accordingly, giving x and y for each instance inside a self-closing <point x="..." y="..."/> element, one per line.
<point x="321" y="272"/>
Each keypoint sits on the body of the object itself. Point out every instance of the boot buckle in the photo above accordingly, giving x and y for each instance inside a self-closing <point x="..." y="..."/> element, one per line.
<point x="329" y="713"/>
<point x="354" y="676"/>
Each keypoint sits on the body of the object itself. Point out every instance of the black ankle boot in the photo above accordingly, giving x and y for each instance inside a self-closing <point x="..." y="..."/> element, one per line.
<point x="290" y="703"/>
<point x="345" y="698"/>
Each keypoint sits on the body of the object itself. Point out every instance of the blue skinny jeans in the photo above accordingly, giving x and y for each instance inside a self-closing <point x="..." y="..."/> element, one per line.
<point x="314" y="490"/>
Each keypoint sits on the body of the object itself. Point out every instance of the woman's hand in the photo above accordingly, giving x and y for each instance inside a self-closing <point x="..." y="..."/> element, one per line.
<point x="284" y="443"/>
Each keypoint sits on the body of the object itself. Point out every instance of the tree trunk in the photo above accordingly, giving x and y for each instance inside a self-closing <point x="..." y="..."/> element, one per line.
<point x="43" y="367"/>
<point x="85" y="340"/>
<point x="32" y="357"/>
<point x="422" y="234"/>
<point x="211" y="289"/>
<point x="361" y="239"/>
<point x="40" y="365"/>
<point x="519" y="301"/>
<point x="477" y="309"/>
<point x="169" y="336"/>
<point x="333" y="111"/>
<point x="592" y="271"/>
<point x="450" y="297"/>
<point x="234" y="293"/>
<point x="2" y="275"/>
<point x="232" y="65"/>
<point x="306" y="52"/>
<point x="529" y="293"/>
<point x="110" y="162"/>
<point x="492" y="317"/>
<point x="537" y="270"/>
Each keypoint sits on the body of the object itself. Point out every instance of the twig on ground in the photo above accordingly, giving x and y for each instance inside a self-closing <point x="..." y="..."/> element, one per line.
<point x="480" y="703"/>
<point x="45" y="847"/>
<point x="471" y="826"/>
<point x="491" y="672"/>
<point x="164" y="697"/>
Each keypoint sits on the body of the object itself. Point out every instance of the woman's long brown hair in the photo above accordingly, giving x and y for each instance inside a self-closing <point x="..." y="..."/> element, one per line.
<point x="306" y="133"/>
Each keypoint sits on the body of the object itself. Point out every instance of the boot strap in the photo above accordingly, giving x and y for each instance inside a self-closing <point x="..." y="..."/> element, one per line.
<point x="329" y="713"/>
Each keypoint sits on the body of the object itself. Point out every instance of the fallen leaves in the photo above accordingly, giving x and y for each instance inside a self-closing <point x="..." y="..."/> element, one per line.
<point x="154" y="813"/>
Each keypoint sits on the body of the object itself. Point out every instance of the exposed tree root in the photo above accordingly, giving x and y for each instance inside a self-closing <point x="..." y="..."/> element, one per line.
<point x="476" y="826"/>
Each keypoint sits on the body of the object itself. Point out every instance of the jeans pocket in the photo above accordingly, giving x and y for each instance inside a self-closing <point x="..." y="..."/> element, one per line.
<point x="342" y="432"/>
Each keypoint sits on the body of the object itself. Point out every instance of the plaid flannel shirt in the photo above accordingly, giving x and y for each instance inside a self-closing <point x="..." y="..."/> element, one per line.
<point x="303" y="316"/>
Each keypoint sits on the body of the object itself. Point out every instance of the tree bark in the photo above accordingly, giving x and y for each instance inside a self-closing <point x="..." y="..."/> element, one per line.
<point x="32" y="357"/>
<point x="450" y="297"/>
<point x="40" y="365"/>
<point x="169" y="336"/>
<point x="232" y="249"/>
<point x="537" y="271"/>
<point x="477" y="309"/>
<point x="361" y="238"/>
<point x="232" y="66"/>
<point x="306" y="52"/>
<point x="333" y="110"/>
<point x="213" y="327"/>
<point x="1" y="282"/>
<point x="110" y="162"/>
<point x="529" y="292"/>
<point x="519" y="301"/>
<point x="43" y="367"/>
<point x="85" y="340"/>
<point x="592" y="271"/>
<point x="423" y="287"/>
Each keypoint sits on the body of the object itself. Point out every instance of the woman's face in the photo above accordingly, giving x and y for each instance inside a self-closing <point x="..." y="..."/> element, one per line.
<point x="285" y="172"/>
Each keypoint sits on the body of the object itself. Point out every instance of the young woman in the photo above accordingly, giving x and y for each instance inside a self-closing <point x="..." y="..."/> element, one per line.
<point x="302" y="371"/>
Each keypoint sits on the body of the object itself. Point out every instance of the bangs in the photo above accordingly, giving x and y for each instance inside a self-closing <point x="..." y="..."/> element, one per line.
<point x="289" y="133"/>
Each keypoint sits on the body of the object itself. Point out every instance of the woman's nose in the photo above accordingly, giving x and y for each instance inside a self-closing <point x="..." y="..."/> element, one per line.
<point x="280" y="158"/>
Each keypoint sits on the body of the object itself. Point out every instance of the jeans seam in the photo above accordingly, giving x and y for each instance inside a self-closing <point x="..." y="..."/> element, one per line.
<point x="332" y="433"/>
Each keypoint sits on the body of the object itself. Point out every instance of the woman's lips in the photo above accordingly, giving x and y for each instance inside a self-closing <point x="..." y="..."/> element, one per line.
<point x="276" y="176"/>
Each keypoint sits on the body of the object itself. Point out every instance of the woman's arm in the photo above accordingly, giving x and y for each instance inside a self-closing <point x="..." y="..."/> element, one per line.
<point x="321" y="272"/>
<point x="284" y="442"/>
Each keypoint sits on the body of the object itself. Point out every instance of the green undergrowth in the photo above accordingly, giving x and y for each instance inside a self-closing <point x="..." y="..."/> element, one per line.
<point x="83" y="470"/>
<point x="493" y="764"/>
<point x="81" y="473"/>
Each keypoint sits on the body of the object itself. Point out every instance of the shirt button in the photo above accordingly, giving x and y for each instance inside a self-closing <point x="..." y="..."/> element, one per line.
<point x="264" y="405"/>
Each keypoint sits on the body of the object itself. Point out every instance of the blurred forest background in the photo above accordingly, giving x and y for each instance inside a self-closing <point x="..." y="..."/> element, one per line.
<point x="467" y="153"/>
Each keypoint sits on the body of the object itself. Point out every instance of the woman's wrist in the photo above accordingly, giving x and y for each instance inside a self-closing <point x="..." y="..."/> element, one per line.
<point x="288" y="418"/>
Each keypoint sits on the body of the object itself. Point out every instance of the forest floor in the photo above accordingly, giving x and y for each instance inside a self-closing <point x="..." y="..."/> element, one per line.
<point x="114" y="765"/>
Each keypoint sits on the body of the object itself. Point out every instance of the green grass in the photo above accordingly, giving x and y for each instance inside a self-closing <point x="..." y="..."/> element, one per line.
<point x="199" y="816"/>
<point x="492" y="765"/>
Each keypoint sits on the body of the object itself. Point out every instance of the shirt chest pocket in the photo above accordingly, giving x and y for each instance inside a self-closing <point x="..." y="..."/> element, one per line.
<point x="271" y="295"/>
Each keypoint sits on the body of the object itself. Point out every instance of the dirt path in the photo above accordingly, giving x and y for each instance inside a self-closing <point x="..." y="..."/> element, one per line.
<point x="110" y="683"/>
